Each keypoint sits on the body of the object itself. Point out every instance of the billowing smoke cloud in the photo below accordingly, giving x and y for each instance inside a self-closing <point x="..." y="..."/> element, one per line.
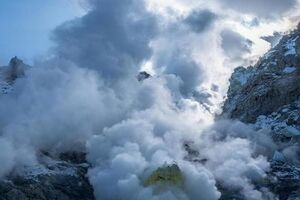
<point x="50" y="115"/>
<point x="188" y="71"/>
<point x="87" y="96"/>
<point x="7" y="156"/>
<point x="260" y="8"/>
<point x="113" y="38"/>
<point x="151" y="138"/>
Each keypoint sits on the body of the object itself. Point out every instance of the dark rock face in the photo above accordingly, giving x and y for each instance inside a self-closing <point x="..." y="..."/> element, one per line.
<point x="273" y="82"/>
<point x="286" y="184"/>
<point x="60" y="177"/>
<point x="16" y="69"/>
<point x="267" y="96"/>
<point x="284" y="123"/>
<point x="264" y="95"/>
<point x="8" y="74"/>
<point x="52" y="179"/>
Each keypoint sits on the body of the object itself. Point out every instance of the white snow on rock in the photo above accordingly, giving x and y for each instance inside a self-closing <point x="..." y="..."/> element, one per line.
<point x="291" y="132"/>
<point x="243" y="78"/>
<point x="279" y="123"/>
<point x="33" y="171"/>
<point x="269" y="54"/>
<point x="49" y="166"/>
<point x="278" y="156"/>
<point x="289" y="70"/>
<point x="290" y="47"/>
<point x="4" y="86"/>
<point x="242" y="75"/>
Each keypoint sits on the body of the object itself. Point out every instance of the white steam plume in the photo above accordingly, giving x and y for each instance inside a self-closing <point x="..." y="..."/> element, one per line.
<point x="87" y="96"/>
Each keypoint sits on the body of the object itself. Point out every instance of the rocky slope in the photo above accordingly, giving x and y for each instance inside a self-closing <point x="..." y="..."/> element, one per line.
<point x="273" y="82"/>
<point x="267" y="96"/>
<point x="8" y="74"/>
<point x="60" y="177"/>
<point x="63" y="179"/>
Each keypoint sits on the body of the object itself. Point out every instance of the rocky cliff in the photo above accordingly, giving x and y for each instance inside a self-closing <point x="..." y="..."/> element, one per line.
<point x="273" y="82"/>
<point x="62" y="177"/>
<point x="8" y="74"/>
<point x="267" y="96"/>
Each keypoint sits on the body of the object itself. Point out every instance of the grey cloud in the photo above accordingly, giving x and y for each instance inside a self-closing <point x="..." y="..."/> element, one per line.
<point x="235" y="45"/>
<point x="252" y="23"/>
<point x="261" y="8"/>
<point x="187" y="70"/>
<point x="200" y="20"/>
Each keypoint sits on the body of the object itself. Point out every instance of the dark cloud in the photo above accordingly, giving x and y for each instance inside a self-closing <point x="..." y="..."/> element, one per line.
<point x="261" y="8"/>
<point x="235" y="45"/>
<point x="112" y="38"/>
<point x="200" y="20"/>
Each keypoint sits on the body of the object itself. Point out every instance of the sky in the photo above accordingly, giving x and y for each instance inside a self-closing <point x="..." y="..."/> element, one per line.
<point x="26" y="26"/>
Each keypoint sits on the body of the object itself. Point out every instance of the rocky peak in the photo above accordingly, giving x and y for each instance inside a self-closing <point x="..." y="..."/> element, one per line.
<point x="8" y="74"/>
<point x="143" y="76"/>
<point x="273" y="82"/>
<point x="267" y="96"/>
<point x="16" y="69"/>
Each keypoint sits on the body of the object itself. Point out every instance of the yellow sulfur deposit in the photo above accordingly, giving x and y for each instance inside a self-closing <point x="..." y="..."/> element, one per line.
<point x="168" y="174"/>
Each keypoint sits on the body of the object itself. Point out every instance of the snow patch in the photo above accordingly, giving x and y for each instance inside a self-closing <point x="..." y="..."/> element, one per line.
<point x="5" y="88"/>
<point x="291" y="131"/>
<point x="278" y="125"/>
<point x="290" y="46"/>
<point x="49" y="166"/>
<point x="289" y="70"/>
<point x="269" y="54"/>
<point x="278" y="156"/>
<point x="243" y="75"/>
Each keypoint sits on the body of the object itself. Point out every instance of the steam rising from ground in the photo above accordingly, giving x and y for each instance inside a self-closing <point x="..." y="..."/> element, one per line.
<point x="87" y="96"/>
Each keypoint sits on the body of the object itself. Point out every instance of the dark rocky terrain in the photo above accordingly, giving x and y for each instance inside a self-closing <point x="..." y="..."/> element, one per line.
<point x="63" y="178"/>
<point x="267" y="96"/>
<point x="273" y="82"/>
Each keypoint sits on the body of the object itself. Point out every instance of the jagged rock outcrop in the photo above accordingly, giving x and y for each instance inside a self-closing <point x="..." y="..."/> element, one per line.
<point x="61" y="177"/>
<point x="273" y="82"/>
<point x="143" y="76"/>
<point x="50" y="179"/>
<point x="267" y="96"/>
<point x="8" y="74"/>
<point x="16" y="69"/>
<point x="284" y="123"/>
